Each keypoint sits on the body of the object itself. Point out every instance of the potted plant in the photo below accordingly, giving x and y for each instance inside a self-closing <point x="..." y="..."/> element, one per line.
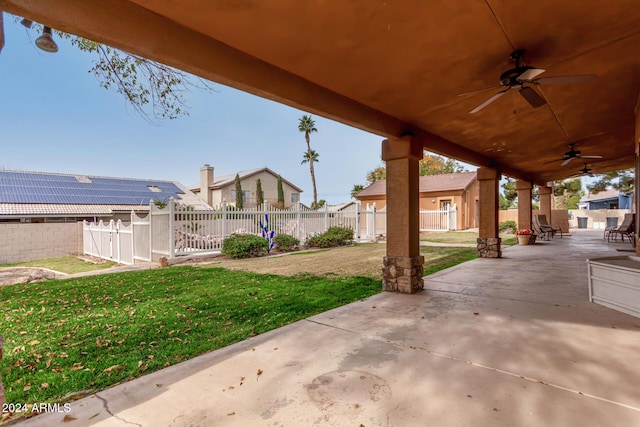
<point x="523" y="236"/>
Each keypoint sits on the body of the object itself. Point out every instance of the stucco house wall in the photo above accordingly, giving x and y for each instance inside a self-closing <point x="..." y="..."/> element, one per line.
<point x="223" y="188"/>
<point x="465" y="199"/>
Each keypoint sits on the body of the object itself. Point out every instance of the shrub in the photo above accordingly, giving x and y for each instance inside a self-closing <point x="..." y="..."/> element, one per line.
<point x="244" y="246"/>
<point x="286" y="242"/>
<point x="334" y="236"/>
<point x="507" y="227"/>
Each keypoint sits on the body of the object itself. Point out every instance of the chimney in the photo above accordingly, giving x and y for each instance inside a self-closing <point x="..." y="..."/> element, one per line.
<point x="206" y="181"/>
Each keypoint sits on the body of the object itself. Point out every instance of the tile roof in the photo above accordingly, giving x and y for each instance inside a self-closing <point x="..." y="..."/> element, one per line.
<point x="224" y="180"/>
<point x="431" y="183"/>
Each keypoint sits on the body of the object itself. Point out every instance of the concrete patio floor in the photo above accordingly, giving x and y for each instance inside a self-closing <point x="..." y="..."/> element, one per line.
<point x="492" y="342"/>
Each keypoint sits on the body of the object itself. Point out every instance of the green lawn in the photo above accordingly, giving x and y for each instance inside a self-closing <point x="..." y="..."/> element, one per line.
<point x="89" y="333"/>
<point x="64" y="336"/>
<point x="68" y="264"/>
<point x="462" y="237"/>
<point x="438" y="258"/>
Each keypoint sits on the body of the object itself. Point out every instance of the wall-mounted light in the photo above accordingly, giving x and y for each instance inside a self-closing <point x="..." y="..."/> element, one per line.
<point x="433" y="200"/>
<point x="45" y="41"/>
<point x="26" y="22"/>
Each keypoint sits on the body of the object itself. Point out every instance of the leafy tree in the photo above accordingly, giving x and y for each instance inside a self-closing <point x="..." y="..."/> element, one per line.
<point x="154" y="90"/>
<point x="356" y="189"/>
<point x="239" y="198"/>
<point x="432" y="164"/>
<point x="280" y="193"/>
<point x="378" y="174"/>
<point x="259" y="193"/>
<point x="307" y="125"/>
<point x="321" y="204"/>
<point x="504" y="203"/>
<point x="622" y="181"/>
<point x="509" y="192"/>
<point x="568" y="193"/>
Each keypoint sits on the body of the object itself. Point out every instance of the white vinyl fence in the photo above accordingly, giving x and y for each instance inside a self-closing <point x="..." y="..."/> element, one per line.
<point x="442" y="220"/>
<point x="177" y="230"/>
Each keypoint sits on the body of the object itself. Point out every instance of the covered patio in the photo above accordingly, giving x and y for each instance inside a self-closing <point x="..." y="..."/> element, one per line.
<point x="493" y="342"/>
<point x="488" y="343"/>
<point x="479" y="81"/>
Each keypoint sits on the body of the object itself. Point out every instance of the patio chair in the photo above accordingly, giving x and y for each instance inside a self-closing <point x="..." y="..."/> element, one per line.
<point x="545" y="226"/>
<point x="543" y="235"/>
<point x="627" y="228"/>
<point x="612" y="224"/>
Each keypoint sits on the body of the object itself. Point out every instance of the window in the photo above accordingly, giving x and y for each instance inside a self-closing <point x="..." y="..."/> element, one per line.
<point x="295" y="197"/>
<point x="245" y="195"/>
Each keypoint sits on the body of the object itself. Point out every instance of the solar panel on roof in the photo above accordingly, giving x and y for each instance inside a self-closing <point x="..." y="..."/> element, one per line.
<point x="29" y="187"/>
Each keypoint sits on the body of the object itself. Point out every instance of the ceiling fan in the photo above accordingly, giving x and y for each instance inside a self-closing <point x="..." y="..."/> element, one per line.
<point x="517" y="77"/>
<point x="584" y="171"/>
<point x="573" y="154"/>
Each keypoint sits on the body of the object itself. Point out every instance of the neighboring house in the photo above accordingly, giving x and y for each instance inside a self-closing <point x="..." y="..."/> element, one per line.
<point x="38" y="197"/>
<point x="437" y="192"/>
<point x="214" y="190"/>
<point x="608" y="199"/>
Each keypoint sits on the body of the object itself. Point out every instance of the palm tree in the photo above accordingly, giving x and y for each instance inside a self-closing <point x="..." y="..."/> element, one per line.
<point x="310" y="156"/>
<point x="307" y="125"/>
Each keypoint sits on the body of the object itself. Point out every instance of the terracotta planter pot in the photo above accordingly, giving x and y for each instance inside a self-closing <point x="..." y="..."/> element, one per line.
<point x="523" y="239"/>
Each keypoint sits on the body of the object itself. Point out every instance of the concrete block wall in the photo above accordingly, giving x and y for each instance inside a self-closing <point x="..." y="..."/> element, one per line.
<point x="559" y="217"/>
<point x="30" y="241"/>
<point x="597" y="219"/>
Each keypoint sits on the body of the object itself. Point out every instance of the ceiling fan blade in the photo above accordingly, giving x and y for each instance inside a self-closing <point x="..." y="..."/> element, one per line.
<point x="580" y="78"/>
<point x="532" y="97"/>
<point x="530" y="74"/>
<point x="590" y="157"/>
<point x="488" y="101"/>
<point x="552" y="161"/>
<point x="479" y="90"/>
<point x="566" y="162"/>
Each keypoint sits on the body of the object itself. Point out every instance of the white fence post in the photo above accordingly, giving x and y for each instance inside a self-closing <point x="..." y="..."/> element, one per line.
<point x="358" y="209"/>
<point x="172" y="238"/>
<point x="326" y="217"/>
<point x="133" y="239"/>
<point x="224" y="219"/>
<point x="151" y="208"/>
<point x="298" y="221"/>
<point x="375" y="233"/>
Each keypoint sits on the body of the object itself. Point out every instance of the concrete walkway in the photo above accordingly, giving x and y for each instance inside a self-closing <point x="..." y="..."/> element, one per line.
<point x="492" y="342"/>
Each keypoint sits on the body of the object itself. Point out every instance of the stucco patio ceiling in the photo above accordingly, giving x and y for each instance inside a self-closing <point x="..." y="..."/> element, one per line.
<point x="397" y="67"/>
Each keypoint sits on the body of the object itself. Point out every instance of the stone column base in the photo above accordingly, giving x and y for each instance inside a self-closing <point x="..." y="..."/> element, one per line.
<point x="402" y="274"/>
<point x="489" y="247"/>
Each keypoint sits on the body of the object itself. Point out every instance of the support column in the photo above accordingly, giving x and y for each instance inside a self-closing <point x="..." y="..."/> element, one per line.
<point x="524" y="204"/>
<point x="403" y="265"/>
<point x="489" y="240"/>
<point x="546" y="201"/>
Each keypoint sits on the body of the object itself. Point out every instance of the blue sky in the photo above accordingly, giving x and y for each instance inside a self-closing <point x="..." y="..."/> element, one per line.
<point x="55" y="117"/>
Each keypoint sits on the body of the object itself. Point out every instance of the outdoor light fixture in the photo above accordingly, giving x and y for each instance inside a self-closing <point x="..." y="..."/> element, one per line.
<point x="45" y="41"/>
<point x="26" y="22"/>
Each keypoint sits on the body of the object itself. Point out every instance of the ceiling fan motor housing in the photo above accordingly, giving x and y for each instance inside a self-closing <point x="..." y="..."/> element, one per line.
<point x="510" y="77"/>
